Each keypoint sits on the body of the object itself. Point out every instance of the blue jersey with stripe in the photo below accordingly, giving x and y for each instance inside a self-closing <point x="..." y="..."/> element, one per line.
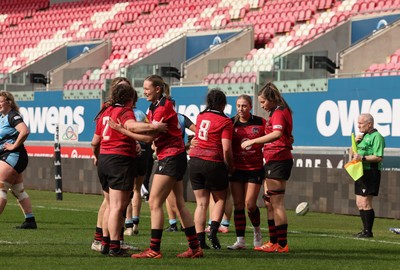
<point x="8" y="122"/>
<point x="140" y="116"/>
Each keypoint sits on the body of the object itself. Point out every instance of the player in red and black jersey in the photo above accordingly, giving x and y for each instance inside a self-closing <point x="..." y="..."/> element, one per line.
<point x="210" y="162"/>
<point x="115" y="155"/>
<point x="279" y="161"/>
<point x="171" y="168"/>
<point x="246" y="182"/>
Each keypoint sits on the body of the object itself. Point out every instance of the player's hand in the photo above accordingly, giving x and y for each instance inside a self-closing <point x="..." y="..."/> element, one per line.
<point x="8" y="146"/>
<point x="138" y="149"/>
<point x="246" y="144"/>
<point x="160" y="126"/>
<point x="117" y="126"/>
<point x="359" y="137"/>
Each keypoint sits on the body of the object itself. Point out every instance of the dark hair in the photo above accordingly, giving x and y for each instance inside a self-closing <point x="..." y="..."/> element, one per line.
<point x="216" y="100"/>
<point x="248" y="99"/>
<point x="119" y="80"/>
<point x="157" y="80"/>
<point x="120" y="94"/>
<point x="271" y="93"/>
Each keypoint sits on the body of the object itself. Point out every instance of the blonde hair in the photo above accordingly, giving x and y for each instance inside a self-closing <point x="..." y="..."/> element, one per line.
<point x="248" y="99"/>
<point x="10" y="99"/>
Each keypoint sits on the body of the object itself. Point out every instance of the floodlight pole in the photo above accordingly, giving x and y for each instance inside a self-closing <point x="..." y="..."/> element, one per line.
<point x="57" y="166"/>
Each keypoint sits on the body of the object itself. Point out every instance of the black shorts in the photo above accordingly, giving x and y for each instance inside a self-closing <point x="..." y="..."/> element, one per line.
<point x="16" y="159"/>
<point x="141" y="165"/>
<point x="246" y="176"/>
<point x="209" y="175"/>
<point x="116" y="171"/>
<point x="278" y="169"/>
<point x="368" y="184"/>
<point x="174" y="166"/>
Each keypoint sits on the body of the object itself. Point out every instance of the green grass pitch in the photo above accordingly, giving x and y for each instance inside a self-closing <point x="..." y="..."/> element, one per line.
<point x="66" y="228"/>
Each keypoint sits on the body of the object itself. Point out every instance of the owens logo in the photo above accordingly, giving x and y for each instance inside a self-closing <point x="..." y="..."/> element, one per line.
<point x="343" y="115"/>
<point x="45" y="119"/>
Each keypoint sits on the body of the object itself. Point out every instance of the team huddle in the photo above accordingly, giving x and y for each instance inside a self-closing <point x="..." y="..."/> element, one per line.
<point x="224" y="152"/>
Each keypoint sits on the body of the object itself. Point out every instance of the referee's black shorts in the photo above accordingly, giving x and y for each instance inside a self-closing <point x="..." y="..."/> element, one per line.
<point x="369" y="183"/>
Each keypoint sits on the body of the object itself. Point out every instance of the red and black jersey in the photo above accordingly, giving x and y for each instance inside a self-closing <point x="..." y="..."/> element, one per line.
<point x="212" y="127"/>
<point x="280" y="119"/>
<point x="250" y="158"/>
<point x="113" y="141"/>
<point x="169" y="143"/>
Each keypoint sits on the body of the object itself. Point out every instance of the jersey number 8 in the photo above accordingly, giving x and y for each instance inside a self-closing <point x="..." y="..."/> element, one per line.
<point x="203" y="130"/>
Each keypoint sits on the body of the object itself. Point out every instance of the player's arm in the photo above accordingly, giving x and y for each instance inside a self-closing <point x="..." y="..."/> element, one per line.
<point x="23" y="133"/>
<point x="96" y="147"/>
<point x="228" y="154"/>
<point x="273" y="136"/>
<point x="140" y="127"/>
<point x="369" y="158"/>
<point x="122" y="129"/>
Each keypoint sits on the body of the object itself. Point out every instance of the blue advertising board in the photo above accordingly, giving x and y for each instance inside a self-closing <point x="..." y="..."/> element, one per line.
<point x="49" y="109"/>
<point x="198" y="44"/>
<point x="319" y="118"/>
<point x="329" y="118"/>
<point x="322" y="118"/>
<point x="365" y="27"/>
<point x="76" y="50"/>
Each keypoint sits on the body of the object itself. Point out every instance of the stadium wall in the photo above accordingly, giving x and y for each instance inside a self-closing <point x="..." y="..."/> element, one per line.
<point x="315" y="179"/>
<point x="74" y="69"/>
<point x="215" y="57"/>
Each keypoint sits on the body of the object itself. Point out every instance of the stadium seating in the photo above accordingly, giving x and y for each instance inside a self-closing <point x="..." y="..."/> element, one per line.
<point x="390" y="68"/>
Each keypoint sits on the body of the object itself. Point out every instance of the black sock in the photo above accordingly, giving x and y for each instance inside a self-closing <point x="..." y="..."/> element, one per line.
<point x="273" y="237"/>
<point x="98" y="235"/>
<point x="369" y="220"/>
<point x="128" y="225"/>
<point x="115" y="245"/>
<point x="363" y="219"/>
<point x="281" y="231"/>
<point x="201" y="237"/>
<point x="155" y="241"/>
<point x="214" y="226"/>
<point x="30" y="219"/>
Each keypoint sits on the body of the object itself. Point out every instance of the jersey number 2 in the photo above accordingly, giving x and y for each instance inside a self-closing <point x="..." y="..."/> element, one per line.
<point x="106" y="127"/>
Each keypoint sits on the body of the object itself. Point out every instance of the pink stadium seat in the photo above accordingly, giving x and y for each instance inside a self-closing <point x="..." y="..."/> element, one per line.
<point x="394" y="59"/>
<point x="355" y="8"/>
<point x="366" y="7"/>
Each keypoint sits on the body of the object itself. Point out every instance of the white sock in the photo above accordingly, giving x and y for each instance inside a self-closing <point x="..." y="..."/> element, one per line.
<point x="240" y="240"/>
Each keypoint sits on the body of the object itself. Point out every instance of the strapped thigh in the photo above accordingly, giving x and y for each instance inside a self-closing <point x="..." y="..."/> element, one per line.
<point x="4" y="187"/>
<point x="18" y="191"/>
<point x="267" y="196"/>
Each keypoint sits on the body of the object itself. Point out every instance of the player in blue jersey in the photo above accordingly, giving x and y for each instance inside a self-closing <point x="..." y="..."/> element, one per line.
<point x="13" y="157"/>
<point x="172" y="210"/>
<point x="133" y="210"/>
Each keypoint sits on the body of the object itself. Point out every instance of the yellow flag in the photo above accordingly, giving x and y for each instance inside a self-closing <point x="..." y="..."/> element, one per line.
<point x="355" y="169"/>
<point x="353" y="143"/>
